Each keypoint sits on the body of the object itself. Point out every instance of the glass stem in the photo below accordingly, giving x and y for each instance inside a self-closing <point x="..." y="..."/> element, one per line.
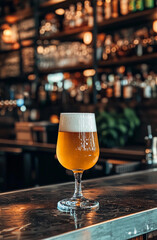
<point x="78" y="189"/>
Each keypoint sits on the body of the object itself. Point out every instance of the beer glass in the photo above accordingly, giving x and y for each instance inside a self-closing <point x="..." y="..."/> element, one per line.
<point x="77" y="150"/>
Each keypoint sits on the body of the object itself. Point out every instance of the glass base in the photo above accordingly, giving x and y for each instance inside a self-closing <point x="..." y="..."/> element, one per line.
<point x="69" y="204"/>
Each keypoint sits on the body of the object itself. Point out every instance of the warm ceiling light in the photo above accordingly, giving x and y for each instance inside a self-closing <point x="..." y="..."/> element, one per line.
<point x="87" y="38"/>
<point x="99" y="3"/>
<point x="7" y="36"/>
<point x="121" y="69"/>
<point x="101" y="37"/>
<point x="16" y="45"/>
<point x="26" y="43"/>
<point x="77" y="74"/>
<point x="59" y="11"/>
<point x="11" y="19"/>
<point x="31" y="77"/>
<point x="54" y="119"/>
<point x="66" y="75"/>
<point x="49" y="16"/>
<point x="5" y="26"/>
<point x="7" y="32"/>
<point x="89" y="72"/>
<point x="155" y="26"/>
<point x="51" y="2"/>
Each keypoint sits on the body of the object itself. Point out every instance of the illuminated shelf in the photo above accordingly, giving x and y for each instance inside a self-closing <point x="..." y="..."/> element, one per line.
<point x="79" y="67"/>
<point x="129" y="19"/>
<point x="66" y="33"/>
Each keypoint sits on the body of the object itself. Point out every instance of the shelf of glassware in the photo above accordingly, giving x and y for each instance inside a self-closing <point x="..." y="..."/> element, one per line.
<point x="79" y="67"/>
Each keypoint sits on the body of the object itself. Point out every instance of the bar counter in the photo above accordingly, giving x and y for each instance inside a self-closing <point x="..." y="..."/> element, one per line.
<point x="133" y="153"/>
<point x="128" y="208"/>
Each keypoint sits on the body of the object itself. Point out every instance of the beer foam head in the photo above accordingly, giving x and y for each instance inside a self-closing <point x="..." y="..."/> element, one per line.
<point x="77" y="122"/>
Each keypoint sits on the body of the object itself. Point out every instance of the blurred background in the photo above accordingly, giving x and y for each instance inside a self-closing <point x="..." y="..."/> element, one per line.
<point x="75" y="56"/>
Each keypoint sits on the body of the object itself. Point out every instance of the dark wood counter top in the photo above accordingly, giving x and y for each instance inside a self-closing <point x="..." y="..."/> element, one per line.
<point x="128" y="208"/>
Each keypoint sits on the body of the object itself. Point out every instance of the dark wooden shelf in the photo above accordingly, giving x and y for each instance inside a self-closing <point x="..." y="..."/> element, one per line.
<point x="66" y="33"/>
<point x="19" y="16"/>
<point x="128" y="60"/>
<point x="27" y="38"/>
<point x="80" y="67"/>
<point x="11" y="79"/>
<point x="127" y="20"/>
<point x="9" y="51"/>
<point x="15" y="50"/>
<point x="19" y="79"/>
<point x="56" y="3"/>
<point x="47" y="3"/>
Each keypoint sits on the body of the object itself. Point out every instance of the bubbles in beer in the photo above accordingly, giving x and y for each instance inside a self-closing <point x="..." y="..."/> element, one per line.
<point x="77" y="145"/>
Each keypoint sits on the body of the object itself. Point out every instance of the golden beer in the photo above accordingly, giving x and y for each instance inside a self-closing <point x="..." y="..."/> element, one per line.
<point x="77" y="150"/>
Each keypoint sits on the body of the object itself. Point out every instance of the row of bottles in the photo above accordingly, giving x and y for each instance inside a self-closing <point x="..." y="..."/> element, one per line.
<point x="78" y="15"/>
<point x="128" y="86"/>
<point x="127" y="42"/>
<point x="73" y="88"/>
<point x="10" y="65"/>
<point x="49" y="25"/>
<point x="81" y="14"/>
<point x="123" y="85"/>
<point x="75" y="16"/>
<point x="11" y="7"/>
<point x="114" y="8"/>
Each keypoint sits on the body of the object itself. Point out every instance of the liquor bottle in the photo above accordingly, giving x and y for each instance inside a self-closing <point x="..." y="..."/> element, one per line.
<point x="107" y="9"/>
<point x="79" y="96"/>
<point x="99" y="49"/>
<point x="125" y="47"/>
<point x="138" y="47"/>
<point x="132" y="6"/>
<point x="90" y="17"/>
<point x="109" y="90"/>
<point x="147" y="91"/>
<point x="71" y="16"/>
<point x="144" y="40"/>
<point x="127" y="89"/>
<point x="153" y="37"/>
<point x="86" y="97"/>
<point x="107" y="48"/>
<point x="153" y="85"/>
<point x="150" y="44"/>
<point x="79" y="15"/>
<point x="103" y="87"/>
<point x="124" y="7"/>
<point x="115" y="11"/>
<point x="149" y="4"/>
<point x="42" y="94"/>
<point x="66" y="19"/>
<point x="137" y="87"/>
<point x="139" y="5"/>
<point x="117" y="87"/>
<point x="99" y="11"/>
<point x="88" y="14"/>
